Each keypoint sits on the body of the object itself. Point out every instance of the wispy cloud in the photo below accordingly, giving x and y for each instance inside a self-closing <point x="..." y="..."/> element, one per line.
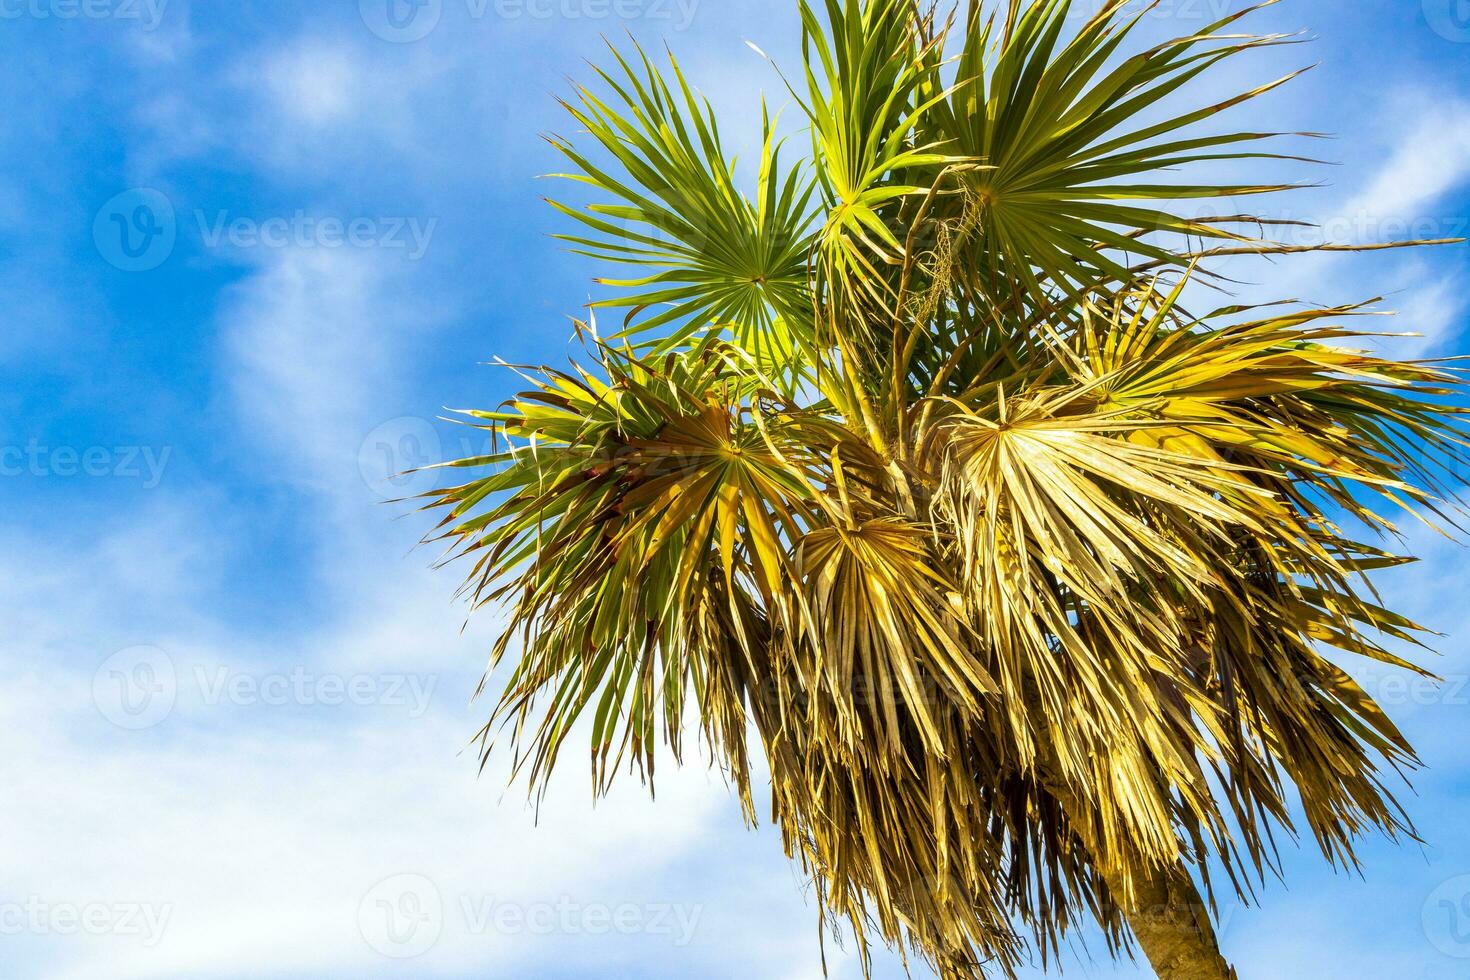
<point x="1430" y="157"/>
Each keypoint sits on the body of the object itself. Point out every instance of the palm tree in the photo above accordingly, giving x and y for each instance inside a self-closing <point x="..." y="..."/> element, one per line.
<point x="913" y="467"/>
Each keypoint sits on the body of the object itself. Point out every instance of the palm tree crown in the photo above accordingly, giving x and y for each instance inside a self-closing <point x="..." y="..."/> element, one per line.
<point x="912" y="469"/>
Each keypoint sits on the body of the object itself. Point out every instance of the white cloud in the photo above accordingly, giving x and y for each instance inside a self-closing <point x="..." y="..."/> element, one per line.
<point x="264" y="840"/>
<point x="253" y="829"/>
<point x="256" y="829"/>
<point x="1430" y="157"/>
<point x="314" y="341"/>
<point x="1430" y="302"/>
<point x="313" y="84"/>
<point x="1399" y="194"/>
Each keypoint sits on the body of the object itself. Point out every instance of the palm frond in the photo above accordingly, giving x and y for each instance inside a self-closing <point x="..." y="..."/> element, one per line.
<point x="708" y="255"/>
<point x="1035" y="590"/>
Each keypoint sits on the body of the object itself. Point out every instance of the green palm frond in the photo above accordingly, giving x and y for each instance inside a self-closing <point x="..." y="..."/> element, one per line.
<point x="712" y="257"/>
<point x="1070" y="135"/>
<point x="863" y="98"/>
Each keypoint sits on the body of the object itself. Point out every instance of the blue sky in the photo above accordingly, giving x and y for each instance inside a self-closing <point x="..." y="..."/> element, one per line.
<point x="236" y="696"/>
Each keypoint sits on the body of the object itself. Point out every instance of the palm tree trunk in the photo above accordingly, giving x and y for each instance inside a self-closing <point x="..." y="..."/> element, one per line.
<point x="1166" y="912"/>
<point x="1169" y="919"/>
